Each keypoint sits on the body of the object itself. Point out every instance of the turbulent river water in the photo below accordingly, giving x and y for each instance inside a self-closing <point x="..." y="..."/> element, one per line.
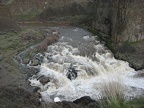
<point x="80" y="65"/>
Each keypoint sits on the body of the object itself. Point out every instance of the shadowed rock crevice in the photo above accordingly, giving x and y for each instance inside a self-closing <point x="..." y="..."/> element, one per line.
<point x="123" y="20"/>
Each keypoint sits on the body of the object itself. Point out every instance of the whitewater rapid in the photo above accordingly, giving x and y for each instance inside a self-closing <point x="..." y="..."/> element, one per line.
<point x="92" y="63"/>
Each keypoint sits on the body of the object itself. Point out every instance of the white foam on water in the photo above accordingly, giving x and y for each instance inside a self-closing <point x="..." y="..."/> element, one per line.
<point x="56" y="99"/>
<point x="92" y="73"/>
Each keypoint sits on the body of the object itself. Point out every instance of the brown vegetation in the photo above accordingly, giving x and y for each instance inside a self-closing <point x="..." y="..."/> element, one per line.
<point x="47" y="41"/>
<point x="28" y="37"/>
<point x="14" y="97"/>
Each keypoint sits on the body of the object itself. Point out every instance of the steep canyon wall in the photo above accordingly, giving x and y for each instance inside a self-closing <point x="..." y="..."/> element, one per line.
<point x="123" y="20"/>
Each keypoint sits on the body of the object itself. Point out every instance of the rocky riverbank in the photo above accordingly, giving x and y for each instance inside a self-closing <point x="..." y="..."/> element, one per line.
<point x="132" y="53"/>
<point x="120" y="23"/>
<point x="14" y="90"/>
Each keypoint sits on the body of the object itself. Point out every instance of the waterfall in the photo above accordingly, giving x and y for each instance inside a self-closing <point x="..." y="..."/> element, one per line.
<point x="78" y="65"/>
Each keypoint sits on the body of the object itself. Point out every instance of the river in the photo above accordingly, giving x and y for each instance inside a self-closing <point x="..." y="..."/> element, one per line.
<point x="79" y="64"/>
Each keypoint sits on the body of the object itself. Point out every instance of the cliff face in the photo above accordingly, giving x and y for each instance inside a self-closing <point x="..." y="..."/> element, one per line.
<point x="123" y="20"/>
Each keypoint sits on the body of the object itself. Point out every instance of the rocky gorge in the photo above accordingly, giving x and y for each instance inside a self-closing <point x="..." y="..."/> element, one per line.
<point x="118" y="23"/>
<point x="122" y="23"/>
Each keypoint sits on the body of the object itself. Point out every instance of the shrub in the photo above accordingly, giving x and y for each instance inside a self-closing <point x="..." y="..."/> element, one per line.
<point x="42" y="47"/>
<point x="47" y="41"/>
<point x="114" y="97"/>
<point x="51" y="39"/>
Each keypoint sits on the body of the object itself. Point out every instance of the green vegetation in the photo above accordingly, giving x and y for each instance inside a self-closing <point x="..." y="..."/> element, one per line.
<point x="95" y="32"/>
<point x="136" y="42"/>
<point x="28" y="17"/>
<point x="81" y="20"/>
<point x="137" y="103"/>
<point x="13" y="43"/>
<point x="122" y="103"/>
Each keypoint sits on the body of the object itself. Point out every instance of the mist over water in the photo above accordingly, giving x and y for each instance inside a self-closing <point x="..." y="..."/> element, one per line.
<point x="79" y="64"/>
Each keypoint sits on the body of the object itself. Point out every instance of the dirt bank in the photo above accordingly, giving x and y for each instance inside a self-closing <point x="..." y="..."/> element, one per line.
<point x="14" y="92"/>
<point x="7" y="25"/>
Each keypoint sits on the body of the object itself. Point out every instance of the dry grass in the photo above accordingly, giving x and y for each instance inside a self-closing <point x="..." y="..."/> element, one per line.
<point x="42" y="47"/>
<point x="47" y="41"/>
<point x="114" y="95"/>
<point x="113" y="90"/>
<point x="51" y="39"/>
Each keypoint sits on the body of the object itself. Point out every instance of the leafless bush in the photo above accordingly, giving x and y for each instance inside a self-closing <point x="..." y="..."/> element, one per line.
<point x="47" y="41"/>
<point x="42" y="47"/>
<point x="51" y="39"/>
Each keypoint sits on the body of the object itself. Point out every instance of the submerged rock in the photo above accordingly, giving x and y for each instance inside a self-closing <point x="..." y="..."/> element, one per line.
<point x="72" y="73"/>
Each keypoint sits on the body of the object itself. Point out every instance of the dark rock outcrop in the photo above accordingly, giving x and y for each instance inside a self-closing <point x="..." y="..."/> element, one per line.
<point x="72" y="72"/>
<point x="121" y="20"/>
<point x="118" y="22"/>
<point x="84" y="101"/>
<point x="133" y="53"/>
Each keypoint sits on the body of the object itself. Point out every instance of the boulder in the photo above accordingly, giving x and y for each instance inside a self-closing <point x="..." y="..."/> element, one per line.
<point x="72" y="72"/>
<point x="35" y="62"/>
<point x="84" y="101"/>
<point x="44" y="80"/>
